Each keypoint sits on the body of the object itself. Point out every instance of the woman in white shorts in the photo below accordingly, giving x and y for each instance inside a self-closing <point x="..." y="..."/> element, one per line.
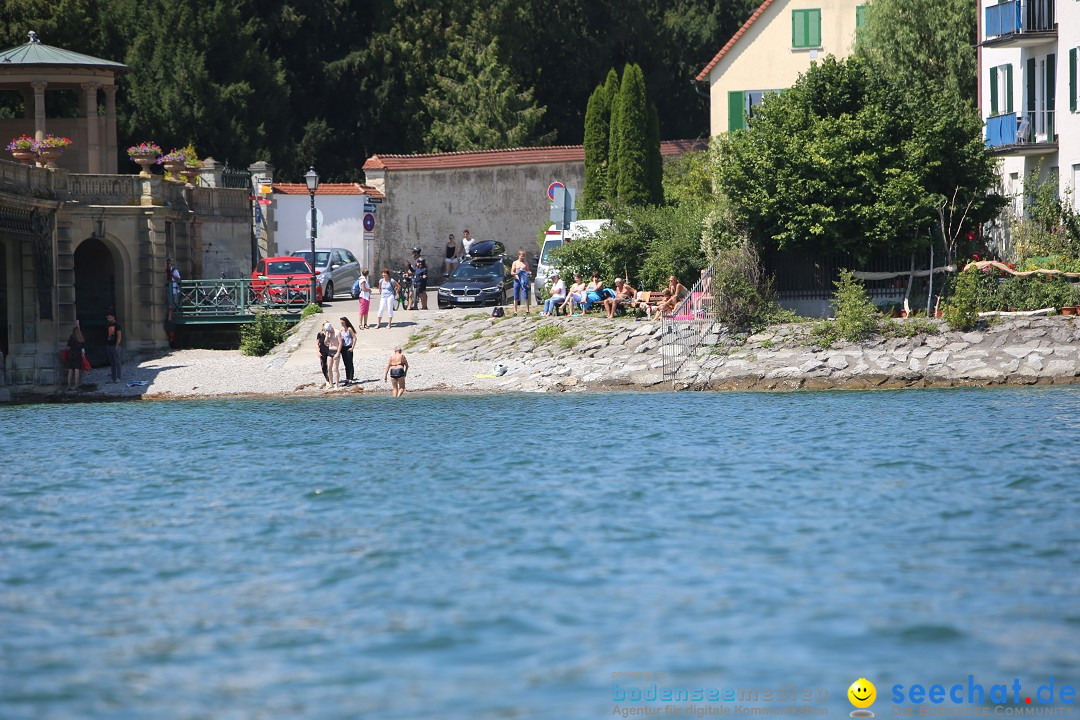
<point x="388" y="290"/>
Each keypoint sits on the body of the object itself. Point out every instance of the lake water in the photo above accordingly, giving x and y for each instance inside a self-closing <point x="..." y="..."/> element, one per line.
<point x="513" y="557"/>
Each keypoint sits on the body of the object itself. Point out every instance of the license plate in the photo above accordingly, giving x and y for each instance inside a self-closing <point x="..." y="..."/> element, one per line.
<point x="466" y="298"/>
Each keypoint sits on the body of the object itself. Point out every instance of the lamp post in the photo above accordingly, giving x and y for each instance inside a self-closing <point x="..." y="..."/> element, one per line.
<point x="312" y="180"/>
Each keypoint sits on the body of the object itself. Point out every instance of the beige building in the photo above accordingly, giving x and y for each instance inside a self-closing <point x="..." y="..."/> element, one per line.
<point x="771" y="50"/>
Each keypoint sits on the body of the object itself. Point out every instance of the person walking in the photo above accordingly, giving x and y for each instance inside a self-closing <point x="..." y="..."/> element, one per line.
<point x="76" y="351"/>
<point x="419" y="280"/>
<point x="114" y="336"/>
<point x="397" y="367"/>
<point x="332" y="340"/>
<point x="520" y="271"/>
<point x="365" y="298"/>
<point x="388" y="290"/>
<point x="348" y="342"/>
<point x="451" y="260"/>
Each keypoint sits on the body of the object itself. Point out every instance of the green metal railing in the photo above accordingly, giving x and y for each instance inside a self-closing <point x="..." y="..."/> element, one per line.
<point x="235" y="300"/>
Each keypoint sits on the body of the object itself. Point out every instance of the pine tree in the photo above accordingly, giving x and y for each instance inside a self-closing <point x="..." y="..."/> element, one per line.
<point x="615" y="134"/>
<point x="597" y="134"/>
<point x="633" y="133"/>
<point x="656" y="162"/>
<point x="475" y="103"/>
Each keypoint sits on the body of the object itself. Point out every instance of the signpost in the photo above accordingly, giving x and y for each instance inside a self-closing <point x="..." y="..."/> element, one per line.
<point x="369" y="208"/>
<point x="369" y="222"/>
<point x="563" y="211"/>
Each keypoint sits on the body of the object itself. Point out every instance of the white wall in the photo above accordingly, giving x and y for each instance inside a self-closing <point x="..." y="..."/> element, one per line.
<point x="342" y="218"/>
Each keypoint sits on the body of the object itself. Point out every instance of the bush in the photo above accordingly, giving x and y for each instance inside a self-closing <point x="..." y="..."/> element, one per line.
<point x="1036" y="292"/>
<point x="962" y="312"/>
<point x="856" y="314"/>
<point x="742" y="294"/>
<point x="310" y="309"/>
<point x="262" y="335"/>
<point x="545" y="333"/>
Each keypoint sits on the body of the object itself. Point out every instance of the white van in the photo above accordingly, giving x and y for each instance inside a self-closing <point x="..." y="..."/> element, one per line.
<point x="554" y="239"/>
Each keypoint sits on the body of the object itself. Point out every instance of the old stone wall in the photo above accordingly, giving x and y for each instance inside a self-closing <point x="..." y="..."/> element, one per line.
<point x="508" y="203"/>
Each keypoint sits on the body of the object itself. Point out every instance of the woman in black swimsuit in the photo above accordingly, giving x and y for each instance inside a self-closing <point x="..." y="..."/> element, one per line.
<point x="450" y="262"/>
<point x="397" y="367"/>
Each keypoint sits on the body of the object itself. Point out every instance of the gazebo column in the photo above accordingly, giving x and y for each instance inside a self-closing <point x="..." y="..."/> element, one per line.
<point x="28" y="103"/>
<point x="93" y="123"/>
<point x="39" y="109"/>
<point x="110" y="129"/>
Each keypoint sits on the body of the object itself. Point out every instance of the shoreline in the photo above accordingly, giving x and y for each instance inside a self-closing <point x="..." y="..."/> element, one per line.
<point x="452" y="352"/>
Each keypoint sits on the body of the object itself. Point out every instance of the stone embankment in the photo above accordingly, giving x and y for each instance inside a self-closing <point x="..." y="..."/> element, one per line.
<point x="555" y="354"/>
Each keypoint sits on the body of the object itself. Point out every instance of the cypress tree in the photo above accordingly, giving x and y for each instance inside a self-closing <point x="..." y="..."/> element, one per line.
<point x="656" y="162"/>
<point x="597" y="135"/>
<point x="633" y="158"/>
<point x="615" y="134"/>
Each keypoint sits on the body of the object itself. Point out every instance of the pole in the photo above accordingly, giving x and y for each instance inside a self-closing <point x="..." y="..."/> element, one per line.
<point x="311" y="295"/>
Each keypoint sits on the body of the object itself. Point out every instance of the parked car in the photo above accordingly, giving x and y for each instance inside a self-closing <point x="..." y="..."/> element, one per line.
<point x="336" y="269"/>
<point x="284" y="279"/>
<point x="477" y="281"/>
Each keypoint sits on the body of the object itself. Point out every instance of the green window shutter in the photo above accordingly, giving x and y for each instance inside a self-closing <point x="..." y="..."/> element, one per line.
<point x="735" y="119"/>
<point x="798" y="29"/>
<point x="993" y="91"/>
<point x="1072" y="80"/>
<point x="1008" y="89"/>
<point x="1029" y="81"/>
<point x="860" y="17"/>
<point x="1051" y="82"/>
<point x="813" y="22"/>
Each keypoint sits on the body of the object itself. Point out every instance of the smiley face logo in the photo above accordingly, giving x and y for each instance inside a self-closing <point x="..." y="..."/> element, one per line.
<point x="862" y="694"/>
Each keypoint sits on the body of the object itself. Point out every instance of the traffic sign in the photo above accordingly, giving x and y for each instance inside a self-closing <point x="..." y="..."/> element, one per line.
<point x="552" y="187"/>
<point x="261" y="180"/>
<point x="318" y="221"/>
<point x="563" y="211"/>
<point x="369" y="236"/>
<point x="374" y="200"/>
<point x="369" y="222"/>
<point x="368" y="207"/>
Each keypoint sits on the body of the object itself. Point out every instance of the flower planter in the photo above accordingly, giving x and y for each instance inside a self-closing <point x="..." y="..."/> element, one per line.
<point x="1069" y="310"/>
<point x="191" y="174"/>
<point x="173" y="167"/>
<point x="145" y="161"/>
<point x="24" y="156"/>
<point x="49" y="155"/>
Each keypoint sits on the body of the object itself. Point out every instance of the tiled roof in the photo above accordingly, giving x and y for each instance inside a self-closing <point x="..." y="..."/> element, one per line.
<point x="507" y="156"/>
<point x="327" y="189"/>
<point x="39" y="55"/>
<point x="704" y="74"/>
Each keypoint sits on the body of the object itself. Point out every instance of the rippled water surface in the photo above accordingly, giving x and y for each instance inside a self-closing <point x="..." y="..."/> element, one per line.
<point x="502" y="557"/>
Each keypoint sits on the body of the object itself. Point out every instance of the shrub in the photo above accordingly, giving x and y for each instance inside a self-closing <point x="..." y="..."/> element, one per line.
<point x="1036" y="292"/>
<point x="262" y="335"/>
<point x="962" y="312"/>
<point x="742" y="294"/>
<point x="546" y="333"/>
<point x="856" y="314"/>
<point x="310" y="309"/>
<point x="569" y="341"/>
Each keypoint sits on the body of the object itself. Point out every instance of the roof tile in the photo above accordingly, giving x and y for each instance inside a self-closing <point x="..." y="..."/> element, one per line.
<point x="704" y="74"/>
<point x="327" y="189"/>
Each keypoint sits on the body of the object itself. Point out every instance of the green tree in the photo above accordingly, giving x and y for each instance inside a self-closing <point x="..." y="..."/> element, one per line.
<point x="655" y="161"/>
<point x="613" y="144"/>
<point x="633" y="134"/>
<point x="846" y="161"/>
<point x="597" y="134"/>
<point x="923" y="43"/>
<point x="475" y="104"/>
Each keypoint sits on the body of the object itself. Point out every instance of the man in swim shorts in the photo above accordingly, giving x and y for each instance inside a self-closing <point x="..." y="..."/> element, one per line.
<point x="520" y="271"/>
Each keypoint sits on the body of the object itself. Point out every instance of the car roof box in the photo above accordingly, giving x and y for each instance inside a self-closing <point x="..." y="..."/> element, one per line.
<point x="486" y="248"/>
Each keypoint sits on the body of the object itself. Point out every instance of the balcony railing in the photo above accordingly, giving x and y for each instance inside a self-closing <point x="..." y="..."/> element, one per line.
<point x="1015" y="129"/>
<point x="1018" y="17"/>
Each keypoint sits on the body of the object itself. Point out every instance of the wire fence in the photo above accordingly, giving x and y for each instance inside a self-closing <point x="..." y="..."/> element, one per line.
<point x="688" y="327"/>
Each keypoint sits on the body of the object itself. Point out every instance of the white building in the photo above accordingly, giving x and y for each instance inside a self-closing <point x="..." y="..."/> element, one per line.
<point x="1028" y="90"/>
<point x="772" y="49"/>
<point x="340" y="213"/>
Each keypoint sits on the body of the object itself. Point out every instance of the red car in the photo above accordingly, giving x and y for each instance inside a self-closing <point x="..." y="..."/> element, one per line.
<point x="283" y="279"/>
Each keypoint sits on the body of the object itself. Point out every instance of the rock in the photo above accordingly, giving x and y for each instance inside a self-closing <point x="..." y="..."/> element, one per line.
<point x="837" y="362"/>
<point x="972" y="338"/>
<point x="1018" y="352"/>
<point x="921" y="352"/>
<point x="1062" y="368"/>
<point x="938" y="357"/>
<point x="966" y="367"/>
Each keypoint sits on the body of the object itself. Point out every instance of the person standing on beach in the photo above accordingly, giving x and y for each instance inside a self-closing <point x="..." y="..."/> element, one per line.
<point x="397" y="367"/>
<point x="365" y="298"/>
<point x="114" y="335"/>
<point x="348" y="341"/>
<point x="419" y="279"/>
<point x="450" y="262"/>
<point x="333" y="352"/>
<point x="520" y="271"/>
<point x="320" y="344"/>
<point x="75" y="353"/>
<point x="388" y="290"/>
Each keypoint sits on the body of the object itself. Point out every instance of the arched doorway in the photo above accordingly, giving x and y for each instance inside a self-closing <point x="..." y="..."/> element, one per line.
<point x="95" y="295"/>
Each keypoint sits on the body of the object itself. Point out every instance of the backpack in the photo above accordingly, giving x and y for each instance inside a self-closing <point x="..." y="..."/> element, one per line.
<point x="355" y="292"/>
<point x="497" y="311"/>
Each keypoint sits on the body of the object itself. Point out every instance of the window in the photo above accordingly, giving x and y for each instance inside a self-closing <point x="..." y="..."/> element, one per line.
<point x="1073" y="90"/>
<point x="860" y="18"/>
<point x="1001" y="90"/>
<point x="806" y="28"/>
<point x="741" y="104"/>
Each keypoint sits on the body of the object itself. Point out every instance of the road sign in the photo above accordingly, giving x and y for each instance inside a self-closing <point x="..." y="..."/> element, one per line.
<point x="563" y="211"/>
<point x="374" y="200"/>
<point x="261" y="180"/>
<point x="369" y="222"/>
<point x="552" y="187"/>
<point x="368" y="207"/>
<point x="369" y="236"/>
<point x="318" y="222"/>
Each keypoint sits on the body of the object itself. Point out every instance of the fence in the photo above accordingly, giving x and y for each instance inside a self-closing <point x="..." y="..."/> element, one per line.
<point x="228" y="300"/>
<point x="686" y="329"/>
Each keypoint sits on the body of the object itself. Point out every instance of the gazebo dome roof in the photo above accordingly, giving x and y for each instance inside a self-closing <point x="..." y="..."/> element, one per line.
<point x="36" y="54"/>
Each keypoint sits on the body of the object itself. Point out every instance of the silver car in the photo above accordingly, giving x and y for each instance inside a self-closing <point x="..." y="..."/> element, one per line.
<point x="337" y="269"/>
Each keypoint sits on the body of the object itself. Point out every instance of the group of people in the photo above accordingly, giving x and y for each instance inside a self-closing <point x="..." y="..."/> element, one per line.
<point x="336" y="347"/>
<point x="74" y="353"/>
<point x="455" y="252"/>
<point x="583" y="297"/>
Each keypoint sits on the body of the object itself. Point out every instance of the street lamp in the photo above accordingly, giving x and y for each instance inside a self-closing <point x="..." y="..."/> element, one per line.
<point x="312" y="180"/>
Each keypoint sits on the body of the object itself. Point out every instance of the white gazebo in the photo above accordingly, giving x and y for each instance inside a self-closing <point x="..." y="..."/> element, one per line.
<point x="35" y="69"/>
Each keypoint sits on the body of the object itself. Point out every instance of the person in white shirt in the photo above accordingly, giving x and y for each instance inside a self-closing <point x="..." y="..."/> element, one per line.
<point x="467" y="240"/>
<point x="558" y="294"/>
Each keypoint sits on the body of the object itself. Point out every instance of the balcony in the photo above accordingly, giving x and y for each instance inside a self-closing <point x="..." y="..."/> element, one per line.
<point x="1020" y="23"/>
<point x="1022" y="134"/>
